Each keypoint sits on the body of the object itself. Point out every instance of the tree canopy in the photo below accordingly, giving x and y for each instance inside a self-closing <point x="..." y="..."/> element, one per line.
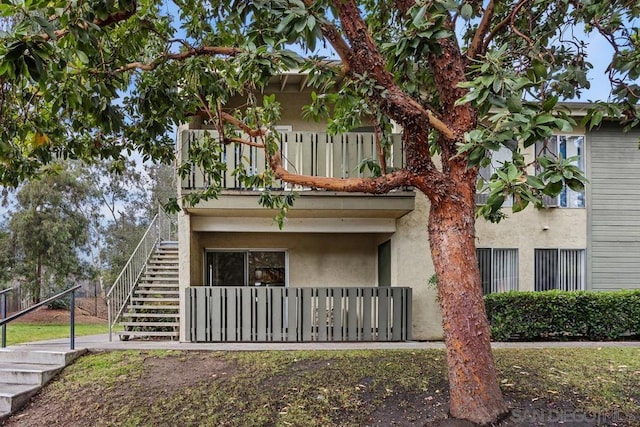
<point x="96" y="79"/>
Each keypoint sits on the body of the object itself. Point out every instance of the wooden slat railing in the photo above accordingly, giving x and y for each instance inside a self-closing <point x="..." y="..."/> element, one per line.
<point x="250" y="314"/>
<point x="309" y="153"/>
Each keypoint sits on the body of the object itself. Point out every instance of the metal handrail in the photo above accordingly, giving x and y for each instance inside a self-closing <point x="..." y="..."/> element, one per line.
<point x="3" y="314"/>
<point x="123" y="287"/>
<point x="72" y="319"/>
<point x="161" y="227"/>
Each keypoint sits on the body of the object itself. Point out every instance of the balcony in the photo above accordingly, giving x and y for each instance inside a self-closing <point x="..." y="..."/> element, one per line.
<point x="308" y="153"/>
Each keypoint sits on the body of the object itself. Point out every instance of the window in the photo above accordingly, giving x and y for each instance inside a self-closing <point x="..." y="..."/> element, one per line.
<point x="245" y="268"/>
<point x="562" y="269"/>
<point x="498" y="158"/>
<point x="498" y="269"/>
<point x="564" y="146"/>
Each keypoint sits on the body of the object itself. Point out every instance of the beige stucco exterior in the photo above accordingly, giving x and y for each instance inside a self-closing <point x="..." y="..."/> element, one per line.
<point x="333" y="240"/>
<point x="534" y="229"/>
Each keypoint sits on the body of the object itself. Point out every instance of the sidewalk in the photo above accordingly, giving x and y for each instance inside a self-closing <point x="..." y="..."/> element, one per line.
<point x="101" y="342"/>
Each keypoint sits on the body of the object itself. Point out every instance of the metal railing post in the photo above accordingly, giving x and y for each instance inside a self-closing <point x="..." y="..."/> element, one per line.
<point x="73" y="320"/>
<point x="109" y="318"/>
<point x="4" y="315"/>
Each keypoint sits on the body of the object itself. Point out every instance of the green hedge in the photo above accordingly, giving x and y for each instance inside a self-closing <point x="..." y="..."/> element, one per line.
<point x="558" y="315"/>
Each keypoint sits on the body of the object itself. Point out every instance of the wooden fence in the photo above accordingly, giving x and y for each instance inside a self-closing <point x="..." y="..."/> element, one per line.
<point x="250" y="314"/>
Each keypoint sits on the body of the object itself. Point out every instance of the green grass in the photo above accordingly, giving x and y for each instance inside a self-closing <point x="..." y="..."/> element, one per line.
<point x="325" y="388"/>
<point x="18" y="333"/>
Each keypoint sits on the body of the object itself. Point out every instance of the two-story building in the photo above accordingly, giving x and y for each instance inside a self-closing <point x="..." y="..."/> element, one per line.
<point x="354" y="266"/>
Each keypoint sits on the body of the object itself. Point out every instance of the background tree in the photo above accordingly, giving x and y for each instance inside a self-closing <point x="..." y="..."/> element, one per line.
<point x="48" y="232"/>
<point x="6" y="261"/>
<point x="462" y="79"/>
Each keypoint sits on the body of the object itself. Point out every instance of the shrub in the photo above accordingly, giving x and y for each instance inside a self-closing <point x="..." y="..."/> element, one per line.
<point x="561" y="315"/>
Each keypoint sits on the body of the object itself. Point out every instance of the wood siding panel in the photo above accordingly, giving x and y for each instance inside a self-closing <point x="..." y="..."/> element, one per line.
<point x="614" y="209"/>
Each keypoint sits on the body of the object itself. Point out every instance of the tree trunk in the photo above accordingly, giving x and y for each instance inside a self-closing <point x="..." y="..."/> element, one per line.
<point x="475" y="394"/>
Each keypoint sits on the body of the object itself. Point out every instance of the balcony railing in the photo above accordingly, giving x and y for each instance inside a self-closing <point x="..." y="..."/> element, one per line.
<point x="307" y="153"/>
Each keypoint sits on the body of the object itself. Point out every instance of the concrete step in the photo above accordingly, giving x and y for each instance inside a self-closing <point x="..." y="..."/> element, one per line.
<point x="142" y="292"/>
<point x="158" y="285"/>
<point x="163" y="261"/>
<point x="172" y="307"/>
<point x="168" y="268"/>
<point x="23" y="371"/>
<point x="27" y="373"/>
<point x="151" y="299"/>
<point x="151" y="315"/>
<point x="133" y="334"/>
<point x="43" y="357"/>
<point x="164" y="272"/>
<point x="159" y="279"/>
<point x="14" y="396"/>
<point x="144" y="324"/>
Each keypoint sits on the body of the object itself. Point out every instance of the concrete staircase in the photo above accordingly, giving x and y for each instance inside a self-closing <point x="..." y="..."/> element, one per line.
<point x="153" y="310"/>
<point x="23" y="372"/>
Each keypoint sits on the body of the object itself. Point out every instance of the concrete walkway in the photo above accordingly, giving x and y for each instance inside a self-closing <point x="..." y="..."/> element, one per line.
<point x="101" y="342"/>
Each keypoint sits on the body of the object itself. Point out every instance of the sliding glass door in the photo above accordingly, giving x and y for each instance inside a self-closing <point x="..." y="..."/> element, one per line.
<point x="245" y="268"/>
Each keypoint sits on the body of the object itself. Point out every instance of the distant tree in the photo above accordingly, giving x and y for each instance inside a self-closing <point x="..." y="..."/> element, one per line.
<point x="49" y="233"/>
<point x="6" y="258"/>
<point x="162" y="186"/>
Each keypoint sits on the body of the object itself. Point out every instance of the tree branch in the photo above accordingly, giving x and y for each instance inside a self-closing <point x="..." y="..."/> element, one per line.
<point x="477" y="46"/>
<point x="495" y="30"/>
<point x="366" y="59"/>
<point x="196" y="51"/>
<point x="335" y="39"/>
<point x="118" y="16"/>
<point x="379" y="185"/>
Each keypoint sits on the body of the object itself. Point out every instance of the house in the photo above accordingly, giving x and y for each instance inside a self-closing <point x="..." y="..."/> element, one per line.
<point x="351" y="266"/>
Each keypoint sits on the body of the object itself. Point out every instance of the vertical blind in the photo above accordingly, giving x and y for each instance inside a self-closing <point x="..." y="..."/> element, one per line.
<point x="498" y="269"/>
<point x="562" y="269"/>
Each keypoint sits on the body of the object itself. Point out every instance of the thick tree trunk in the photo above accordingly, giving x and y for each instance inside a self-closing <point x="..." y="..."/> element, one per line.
<point x="474" y="390"/>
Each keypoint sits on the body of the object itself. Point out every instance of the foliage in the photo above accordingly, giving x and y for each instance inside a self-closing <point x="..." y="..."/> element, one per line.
<point x="98" y="80"/>
<point x="6" y="261"/>
<point x="104" y="79"/>
<point x="552" y="315"/>
<point x="48" y="230"/>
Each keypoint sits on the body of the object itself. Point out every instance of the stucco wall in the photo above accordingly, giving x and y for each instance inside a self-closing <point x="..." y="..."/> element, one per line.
<point x="534" y="229"/>
<point x="411" y="266"/>
<point x="314" y="259"/>
<point x="411" y="257"/>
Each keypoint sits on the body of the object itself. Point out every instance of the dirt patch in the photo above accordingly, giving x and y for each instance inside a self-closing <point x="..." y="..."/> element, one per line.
<point x="44" y="315"/>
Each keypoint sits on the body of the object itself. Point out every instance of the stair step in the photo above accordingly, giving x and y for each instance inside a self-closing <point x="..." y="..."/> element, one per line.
<point x="153" y="288"/>
<point x="148" y="333"/>
<point x="146" y="278"/>
<point x="152" y="307"/>
<point x="161" y="272"/>
<point x="162" y="267"/>
<point x="164" y="261"/>
<point x="150" y="299"/>
<point x="159" y="285"/>
<point x="143" y="324"/>
<point x="152" y="315"/>
<point x="42" y="357"/>
<point x="164" y="291"/>
<point x="27" y="373"/>
<point x="13" y="396"/>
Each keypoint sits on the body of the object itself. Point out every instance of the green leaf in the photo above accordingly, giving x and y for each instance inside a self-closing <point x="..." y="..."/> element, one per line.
<point x="82" y="57"/>
<point x="466" y="11"/>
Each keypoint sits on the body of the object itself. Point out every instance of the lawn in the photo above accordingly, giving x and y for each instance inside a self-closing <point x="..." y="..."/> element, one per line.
<point x="27" y="332"/>
<point x="551" y="387"/>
